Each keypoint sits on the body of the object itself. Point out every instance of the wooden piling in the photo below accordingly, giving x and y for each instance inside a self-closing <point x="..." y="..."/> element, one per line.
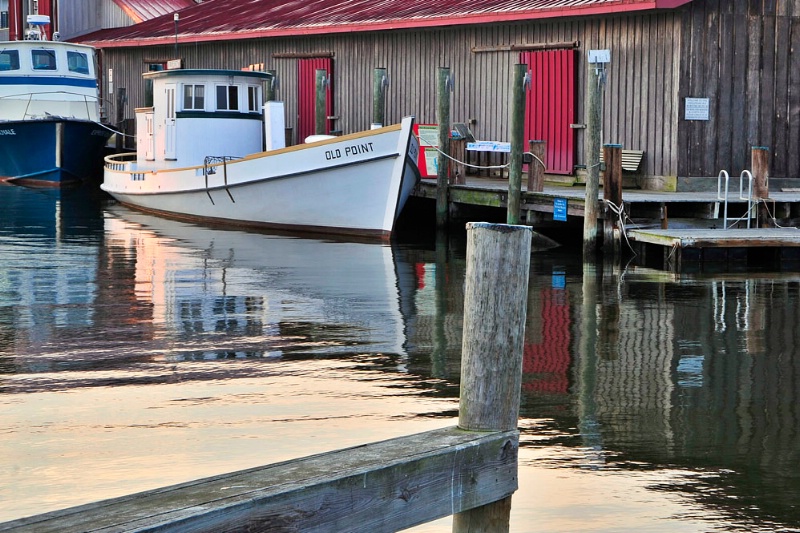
<point x="271" y="86"/>
<point x="594" y="125"/>
<point x="443" y="118"/>
<point x="119" y="106"/>
<point x="760" y="163"/>
<point x="517" y="136"/>
<point x="380" y="79"/>
<point x="495" y="310"/>
<point x="536" y="168"/>
<point x="321" y="108"/>
<point x="495" y="304"/>
<point x="612" y="194"/>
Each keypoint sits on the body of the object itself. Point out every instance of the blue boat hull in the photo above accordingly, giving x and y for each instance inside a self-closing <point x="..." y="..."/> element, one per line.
<point x="51" y="153"/>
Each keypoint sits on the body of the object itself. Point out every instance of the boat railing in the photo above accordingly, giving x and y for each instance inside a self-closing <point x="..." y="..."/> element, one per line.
<point x="90" y="102"/>
<point x="210" y="165"/>
<point x="120" y="162"/>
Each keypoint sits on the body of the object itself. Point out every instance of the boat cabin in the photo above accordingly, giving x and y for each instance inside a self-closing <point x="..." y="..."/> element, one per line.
<point x="201" y="113"/>
<point x="43" y="79"/>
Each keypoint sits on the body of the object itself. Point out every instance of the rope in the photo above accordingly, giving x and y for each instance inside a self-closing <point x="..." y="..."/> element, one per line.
<point x="448" y="156"/>
<point x="619" y="210"/>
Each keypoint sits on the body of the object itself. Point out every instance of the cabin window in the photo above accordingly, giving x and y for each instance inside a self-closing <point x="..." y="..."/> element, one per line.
<point x="194" y="97"/>
<point x="78" y="62"/>
<point x="44" y="59"/>
<point x="9" y="60"/>
<point x="4" y="20"/>
<point x="227" y="97"/>
<point x="253" y="99"/>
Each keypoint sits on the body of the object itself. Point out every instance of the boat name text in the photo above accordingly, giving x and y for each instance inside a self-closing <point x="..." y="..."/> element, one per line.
<point x="8" y="132"/>
<point x="349" y="151"/>
<point x="99" y="133"/>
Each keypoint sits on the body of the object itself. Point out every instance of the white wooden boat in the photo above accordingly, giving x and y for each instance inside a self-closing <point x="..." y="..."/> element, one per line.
<point x="201" y="156"/>
<point x="50" y="133"/>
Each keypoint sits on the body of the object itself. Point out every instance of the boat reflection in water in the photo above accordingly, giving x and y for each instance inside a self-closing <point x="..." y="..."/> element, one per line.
<point x="240" y="294"/>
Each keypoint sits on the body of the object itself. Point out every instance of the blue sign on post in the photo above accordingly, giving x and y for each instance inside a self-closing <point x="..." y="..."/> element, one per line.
<point x="560" y="209"/>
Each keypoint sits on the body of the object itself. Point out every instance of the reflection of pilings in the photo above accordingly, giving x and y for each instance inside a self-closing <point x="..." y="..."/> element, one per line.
<point x="439" y="355"/>
<point x="587" y="364"/>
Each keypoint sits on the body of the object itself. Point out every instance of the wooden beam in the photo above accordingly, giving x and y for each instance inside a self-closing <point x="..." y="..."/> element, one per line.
<point x="526" y="46"/>
<point x="381" y="487"/>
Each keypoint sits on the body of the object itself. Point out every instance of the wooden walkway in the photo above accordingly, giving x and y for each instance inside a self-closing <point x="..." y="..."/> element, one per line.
<point x="694" y="220"/>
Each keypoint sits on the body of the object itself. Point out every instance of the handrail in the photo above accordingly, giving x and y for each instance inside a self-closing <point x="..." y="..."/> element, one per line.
<point x="719" y="194"/>
<point x="750" y="202"/>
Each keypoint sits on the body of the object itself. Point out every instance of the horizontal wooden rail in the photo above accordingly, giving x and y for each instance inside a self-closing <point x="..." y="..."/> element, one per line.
<point x="381" y="487"/>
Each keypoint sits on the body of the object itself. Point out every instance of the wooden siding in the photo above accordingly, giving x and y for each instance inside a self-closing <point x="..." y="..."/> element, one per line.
<point x="641" y="101"/>
<point x="744" y="57"/>
<point x="86" y="17"/>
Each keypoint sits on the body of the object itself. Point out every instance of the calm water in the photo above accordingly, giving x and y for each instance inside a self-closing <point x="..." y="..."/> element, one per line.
<point x="137" y="352"/>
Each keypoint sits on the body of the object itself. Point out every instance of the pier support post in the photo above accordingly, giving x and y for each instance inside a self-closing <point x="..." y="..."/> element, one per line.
<point x="612" y="194"/>
<point x="443" y="118"/>
<point x="536" y="167"/>
<point x="760" y="164"/>
<point x="495" y="309"/>
<point x="321" y="108"/>
<point x="380" y="80"/>
<point x="517" y="144"/>
<point x="595" y="81"/>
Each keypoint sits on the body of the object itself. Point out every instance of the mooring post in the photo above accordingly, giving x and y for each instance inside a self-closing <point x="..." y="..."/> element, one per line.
<point x="517" y="143"/>
<point x="495" y="309"/>
<point x="380" y="80"/>
<point x="612" y="195"/>
<point x="122" y="99"/>
<point x="760" y="163"/>
<point x="443" y="118"/>
<point x="321" y="108"/>
<point x="536" y="167"/>
<point x="271" y="86"/>
<point x="595" y="81"/>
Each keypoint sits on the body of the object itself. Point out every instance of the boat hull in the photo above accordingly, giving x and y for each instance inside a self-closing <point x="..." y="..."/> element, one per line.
<point x="355" y="184"/>
<point x="51" y="152"/>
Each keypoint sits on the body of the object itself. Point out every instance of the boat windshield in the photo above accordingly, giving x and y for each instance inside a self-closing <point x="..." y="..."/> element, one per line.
<point x="43" y="59"/>
<point x="9" y="60"/>
<point x="78" y="62"/>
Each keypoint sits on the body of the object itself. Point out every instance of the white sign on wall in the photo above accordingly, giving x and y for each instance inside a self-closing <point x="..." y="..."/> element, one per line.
<point x="599" y="56"/>
<point x="696" y="109"/>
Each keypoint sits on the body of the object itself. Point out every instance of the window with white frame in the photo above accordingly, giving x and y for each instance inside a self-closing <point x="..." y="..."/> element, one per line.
<point x="227" y="98"/>
<point x="194" y="97"/>
<point x="253" y="99"/>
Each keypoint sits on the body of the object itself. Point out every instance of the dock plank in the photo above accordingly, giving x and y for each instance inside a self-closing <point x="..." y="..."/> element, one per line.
<point x="719" y="238"/>
<point x="365" y="488"/>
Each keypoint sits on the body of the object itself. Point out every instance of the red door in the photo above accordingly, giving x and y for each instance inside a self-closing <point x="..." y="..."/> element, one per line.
<point x="307" y="95"/>
<point x="551" y="106"/>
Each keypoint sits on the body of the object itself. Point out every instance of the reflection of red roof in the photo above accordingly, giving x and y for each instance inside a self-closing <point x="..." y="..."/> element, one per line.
<point x="214" y="20"/>
<point x="141" y="10"/>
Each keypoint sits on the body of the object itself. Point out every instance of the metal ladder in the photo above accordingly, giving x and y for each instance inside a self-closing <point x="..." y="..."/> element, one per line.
<point x="751" y="202"/>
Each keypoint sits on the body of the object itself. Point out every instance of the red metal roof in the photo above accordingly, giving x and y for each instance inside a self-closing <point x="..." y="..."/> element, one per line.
<point x="141" y="10"/>
<point x="237" y="19"/>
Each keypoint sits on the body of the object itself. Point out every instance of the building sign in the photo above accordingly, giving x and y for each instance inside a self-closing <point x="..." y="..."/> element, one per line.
<point x="696" y="109"/>
<point x="599" y="56"/>
<point x="428" y="162"/>
<point x="560" y="209"/>
<point x="489" y="146"/>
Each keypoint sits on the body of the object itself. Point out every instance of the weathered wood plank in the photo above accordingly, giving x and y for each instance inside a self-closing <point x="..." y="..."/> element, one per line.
<point x="366" y="488"/>
<point x="732" y="238"/>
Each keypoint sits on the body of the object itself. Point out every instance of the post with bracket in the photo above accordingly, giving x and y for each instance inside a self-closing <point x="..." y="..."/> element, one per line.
<point x="444" y="88"/>
<point x="380" y="80"/>
<point x="321" y="107"/>
<point x="520" y="83"/>
<point x="596" y="80"/>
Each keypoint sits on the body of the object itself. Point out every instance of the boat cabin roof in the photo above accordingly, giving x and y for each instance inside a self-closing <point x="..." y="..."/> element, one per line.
<point x="207" y="73"/>
<point x="46" y="58"/>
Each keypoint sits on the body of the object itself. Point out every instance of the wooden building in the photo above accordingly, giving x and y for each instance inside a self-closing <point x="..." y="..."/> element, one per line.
<point x="694" y="84"/>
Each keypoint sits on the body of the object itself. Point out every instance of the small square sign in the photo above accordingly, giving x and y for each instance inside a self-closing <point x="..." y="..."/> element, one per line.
<point x="560" y="209"/>
<point x="697" y="109"/>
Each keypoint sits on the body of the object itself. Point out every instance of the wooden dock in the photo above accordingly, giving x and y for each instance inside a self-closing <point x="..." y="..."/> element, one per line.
<point x="694" y="233"/>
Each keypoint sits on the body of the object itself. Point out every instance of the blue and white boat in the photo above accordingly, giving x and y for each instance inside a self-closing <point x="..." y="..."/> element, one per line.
<point x="50" y="134"/>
